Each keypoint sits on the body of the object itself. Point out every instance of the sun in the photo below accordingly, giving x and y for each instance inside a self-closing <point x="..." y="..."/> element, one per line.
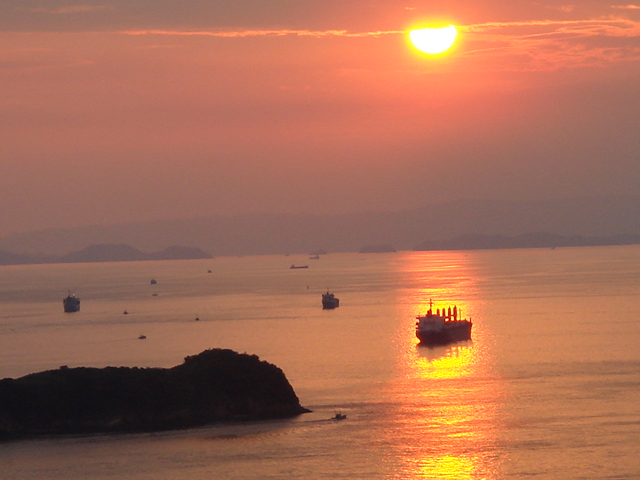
<point x="434" y="40"/>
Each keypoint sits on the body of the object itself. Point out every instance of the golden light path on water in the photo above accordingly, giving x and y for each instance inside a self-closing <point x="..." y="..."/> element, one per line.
<point x="450" y="394"/>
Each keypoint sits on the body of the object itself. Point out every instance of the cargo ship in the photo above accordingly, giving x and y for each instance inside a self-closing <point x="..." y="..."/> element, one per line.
<point x="442" y="327"/>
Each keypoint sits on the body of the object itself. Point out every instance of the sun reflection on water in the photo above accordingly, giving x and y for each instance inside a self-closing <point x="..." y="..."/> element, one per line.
<point x="452" y="362"/>
<point x="447" y="467"/>
<point x="448" y="422"/>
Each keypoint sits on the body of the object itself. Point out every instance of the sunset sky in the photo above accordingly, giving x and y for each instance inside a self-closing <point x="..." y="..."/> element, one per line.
<point x="132" y="110"/>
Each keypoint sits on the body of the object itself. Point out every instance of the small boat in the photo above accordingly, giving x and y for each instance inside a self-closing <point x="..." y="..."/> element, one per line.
<point x="71" y="303"/>
<point x="298" y="266"/>
<point x="153" y="281"/>
<point x="142" y="337"/>
<point x="329" y="301"/>
<point x="339" y="416"/>
<point x="314" y="257"/>
<point x="442" y="328"/>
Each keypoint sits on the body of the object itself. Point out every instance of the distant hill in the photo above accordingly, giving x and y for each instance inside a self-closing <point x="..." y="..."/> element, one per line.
<point x="8" y="258"/>
<point x="106" y="253"/>
<point x="259" y="234"/>
<point x="530" y="240"/>
<point x="126" y="253"/>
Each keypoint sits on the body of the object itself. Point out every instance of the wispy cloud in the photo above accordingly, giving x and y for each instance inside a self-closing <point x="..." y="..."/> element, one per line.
<point x="626" y="7"/>
<point x="609" y="26"/>
<point x="71" y="9"/>
<point x="264" y="33"/>
<point x="564" y="8"/>
<point x="551" y="23"/>
<point x="529" y="45"/>
<point x="548" y="45"/>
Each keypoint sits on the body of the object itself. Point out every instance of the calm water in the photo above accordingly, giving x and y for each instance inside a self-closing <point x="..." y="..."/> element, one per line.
<point x="549" y="388"/>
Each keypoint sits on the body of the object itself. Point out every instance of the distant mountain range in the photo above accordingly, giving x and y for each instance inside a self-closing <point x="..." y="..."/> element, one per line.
<point x="105" y="253"/>
<point x="451" y="225"/>
<point x="529" y="240"/>
<point x="126" y="253"/>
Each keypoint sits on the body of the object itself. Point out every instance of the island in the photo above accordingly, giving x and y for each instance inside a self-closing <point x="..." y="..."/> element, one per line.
<point x="217" y="385"/>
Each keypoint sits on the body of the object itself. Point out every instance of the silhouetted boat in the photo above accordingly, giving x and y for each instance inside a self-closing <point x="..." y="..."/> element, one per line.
<point x="314" y="257"/>
<point x="329" y="301"/>
<point x="339" y="416"/>
<point x="71" y="303"/>
<point x="153" y="281"/>
<point x="298" y="266"/>
<point x="442" y="328"/>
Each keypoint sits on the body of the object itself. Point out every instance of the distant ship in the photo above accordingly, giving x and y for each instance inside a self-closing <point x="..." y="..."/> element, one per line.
<point x="298" y="266"/>
<point x="329" y="301"/>
<point x="442" y="328"/>
<point x="71" y="303"/>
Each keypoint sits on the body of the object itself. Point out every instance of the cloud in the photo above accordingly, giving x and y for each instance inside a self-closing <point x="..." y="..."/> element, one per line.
<point x="480" y="27"/>
<point x="71" y="9"/>
<point x="548" y="45"/>
<point x="615" y="27"/>
<point x="564" y="8"/>
<point x="626" y="7"/>
<point x="535" y="45"/>
<point x="265" y="33"/>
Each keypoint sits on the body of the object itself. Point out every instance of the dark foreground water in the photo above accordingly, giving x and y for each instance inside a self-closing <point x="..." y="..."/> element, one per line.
<point x="549" y="388"/>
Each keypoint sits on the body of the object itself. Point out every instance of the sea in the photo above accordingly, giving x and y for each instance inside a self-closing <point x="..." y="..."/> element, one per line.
<point x="548" y="387"/>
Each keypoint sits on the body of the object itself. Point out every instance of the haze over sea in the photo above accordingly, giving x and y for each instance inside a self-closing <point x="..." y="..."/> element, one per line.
<point x="548" y="388"/>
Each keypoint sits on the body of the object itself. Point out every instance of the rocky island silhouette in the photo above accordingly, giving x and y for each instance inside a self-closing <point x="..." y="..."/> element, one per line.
<point x="214" y="386"/>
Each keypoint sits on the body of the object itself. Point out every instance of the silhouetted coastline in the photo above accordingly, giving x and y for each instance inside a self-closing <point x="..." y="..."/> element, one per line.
<point x="125" y="253"/>
<point x="385" y="248"/>
<point x="597" y="218"/>
<point x="106" y="253"/>
<point x="529" y="240"/>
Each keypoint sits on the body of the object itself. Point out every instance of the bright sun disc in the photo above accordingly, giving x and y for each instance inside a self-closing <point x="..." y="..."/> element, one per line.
<point x="433" y="40"/>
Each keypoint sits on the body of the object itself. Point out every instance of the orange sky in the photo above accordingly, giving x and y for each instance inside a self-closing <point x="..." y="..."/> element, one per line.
<point x="123" y="111"/>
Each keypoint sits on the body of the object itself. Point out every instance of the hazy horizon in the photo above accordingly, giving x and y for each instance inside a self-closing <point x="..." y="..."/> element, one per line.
<point x="132" y="111"/>
<point x="606" y="218"/>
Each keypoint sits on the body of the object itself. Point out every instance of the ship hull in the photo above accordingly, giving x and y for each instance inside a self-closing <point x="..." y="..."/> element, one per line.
<point x="71" y="304"/>
<point x="459" y="332"/>
<point x="71" y="308"/>
<point x="328" y="305"/>
<point x="330" y="301"/>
